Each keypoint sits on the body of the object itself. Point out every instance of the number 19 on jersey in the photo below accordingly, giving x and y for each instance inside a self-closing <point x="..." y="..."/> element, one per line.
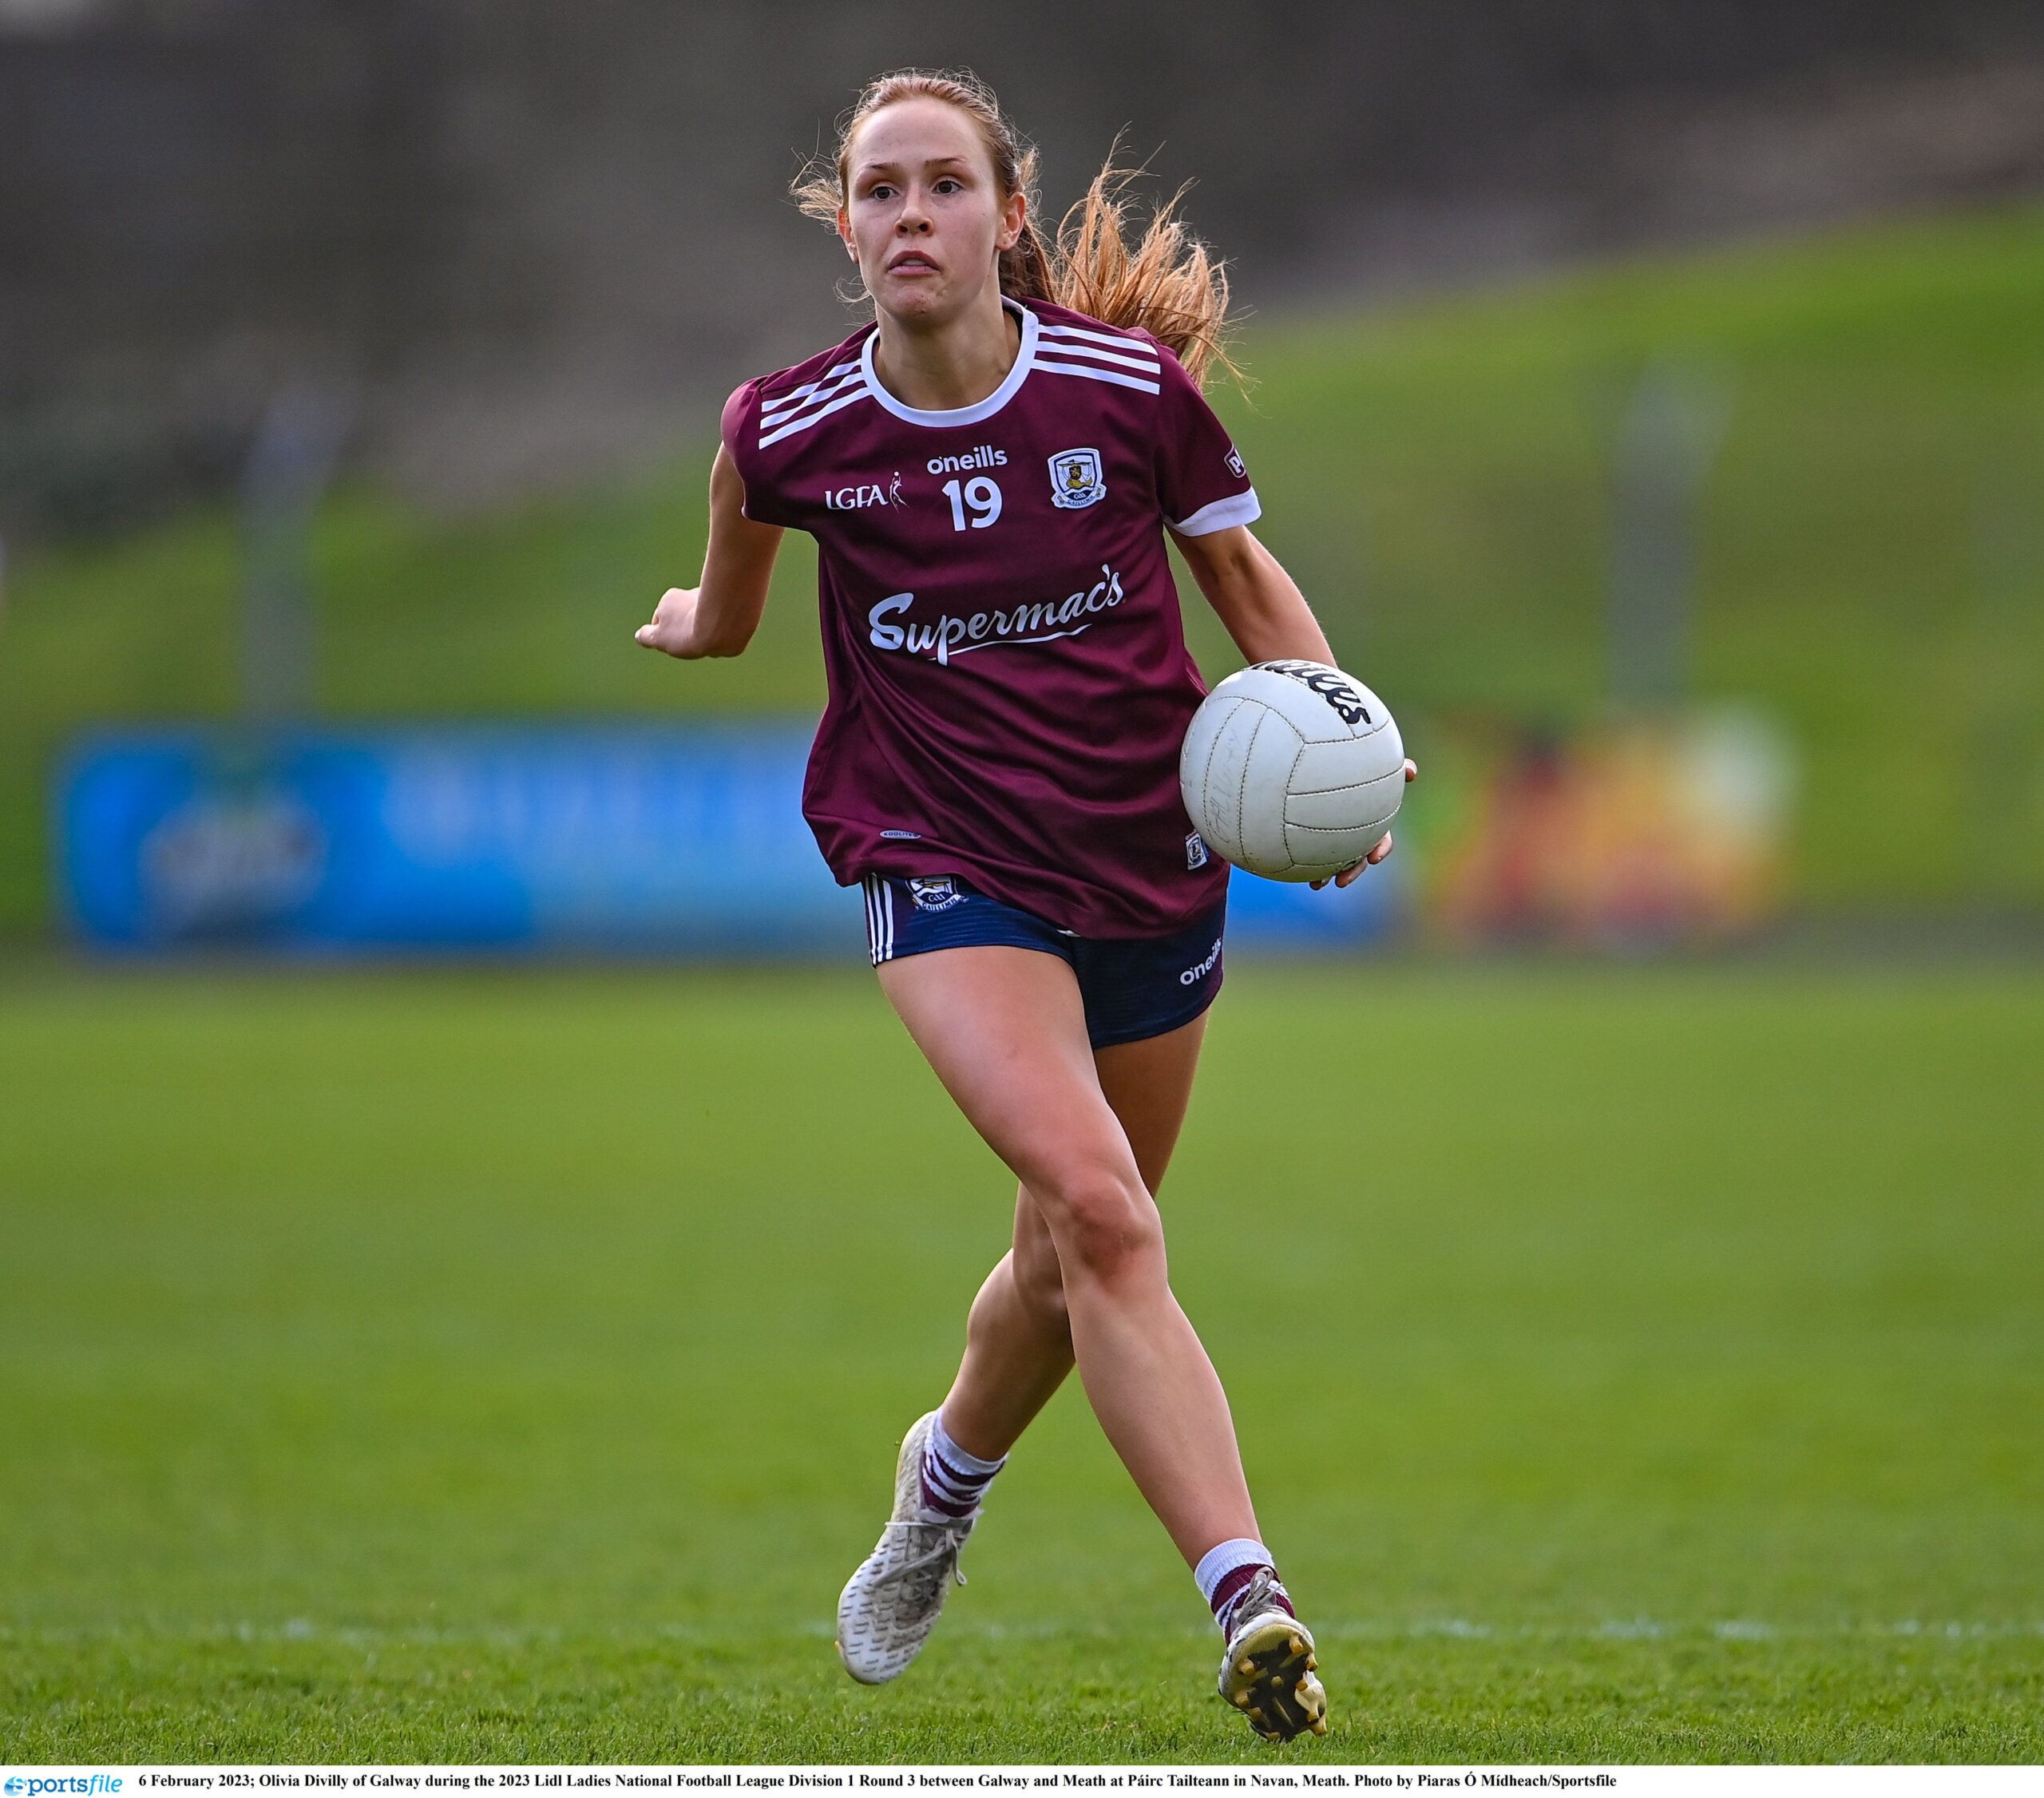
<point x="978" y="496"/>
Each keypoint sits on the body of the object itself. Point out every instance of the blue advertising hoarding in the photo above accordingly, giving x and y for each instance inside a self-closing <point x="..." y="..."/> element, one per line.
<point x="626" y="839"/>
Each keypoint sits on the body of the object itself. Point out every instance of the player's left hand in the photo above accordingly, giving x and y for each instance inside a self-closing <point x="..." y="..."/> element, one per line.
<point x="1383" y="849"/>
<point x="672" y="628"/>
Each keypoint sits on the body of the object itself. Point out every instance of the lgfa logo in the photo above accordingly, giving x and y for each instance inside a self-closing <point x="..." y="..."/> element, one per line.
<point x="852" y="498"/>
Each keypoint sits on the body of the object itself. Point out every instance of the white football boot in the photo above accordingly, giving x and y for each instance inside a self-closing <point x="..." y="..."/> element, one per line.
<point x="1267" y="1673"/>
<point x="890" y="1606"/>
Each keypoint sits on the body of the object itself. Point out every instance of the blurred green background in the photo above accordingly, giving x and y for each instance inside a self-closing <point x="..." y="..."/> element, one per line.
<point x="1437" y="476"/>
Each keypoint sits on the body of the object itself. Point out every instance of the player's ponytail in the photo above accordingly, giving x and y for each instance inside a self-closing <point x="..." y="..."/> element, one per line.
<point x="1166" y="282"/>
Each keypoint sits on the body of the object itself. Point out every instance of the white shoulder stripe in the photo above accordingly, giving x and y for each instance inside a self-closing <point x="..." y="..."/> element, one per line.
<point x="814" y="403"/>
<point x="1134" y="344"/>
<point x="1147" y="365"/>
<point x="780" y="402"/>
<point x="1119" y="380"/>
<point x="859" y="392"/>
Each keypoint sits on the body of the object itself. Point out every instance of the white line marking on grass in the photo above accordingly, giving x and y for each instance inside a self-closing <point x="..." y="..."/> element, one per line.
<point x="523" y="1636"/>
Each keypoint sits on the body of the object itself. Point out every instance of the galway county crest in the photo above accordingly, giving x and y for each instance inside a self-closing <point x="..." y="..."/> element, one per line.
<point x="1075" y="479"/>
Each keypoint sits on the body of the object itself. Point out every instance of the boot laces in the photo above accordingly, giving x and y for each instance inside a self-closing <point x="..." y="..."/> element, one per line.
<point x="946" y="1545"/>
<point x="1253" y="1599"/>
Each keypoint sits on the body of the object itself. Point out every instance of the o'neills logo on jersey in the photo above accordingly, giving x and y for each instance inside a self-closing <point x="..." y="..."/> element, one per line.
<point x="1042" y="622"/>
<point x="986" y="456"/>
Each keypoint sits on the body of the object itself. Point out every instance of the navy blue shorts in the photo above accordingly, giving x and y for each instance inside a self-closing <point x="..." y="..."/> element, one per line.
<point x="1132" y="988"/>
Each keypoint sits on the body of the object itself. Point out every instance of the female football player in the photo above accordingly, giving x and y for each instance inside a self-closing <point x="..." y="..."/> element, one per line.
<point x="989" y="467"/>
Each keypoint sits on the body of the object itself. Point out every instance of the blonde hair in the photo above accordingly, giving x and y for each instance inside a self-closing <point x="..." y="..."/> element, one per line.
<point x="1168" y="283"/>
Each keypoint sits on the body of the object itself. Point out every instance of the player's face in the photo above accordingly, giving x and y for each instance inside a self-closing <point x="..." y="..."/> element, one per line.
<point x="924" y="215"/>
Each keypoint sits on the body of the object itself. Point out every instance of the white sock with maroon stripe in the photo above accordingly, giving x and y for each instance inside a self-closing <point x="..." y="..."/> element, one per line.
<point x="1224" y="1574"/>
<point x="953" y="1481"/>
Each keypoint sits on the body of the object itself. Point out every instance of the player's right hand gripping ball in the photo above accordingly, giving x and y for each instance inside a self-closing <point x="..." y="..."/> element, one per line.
<point x="1291" y="770"/>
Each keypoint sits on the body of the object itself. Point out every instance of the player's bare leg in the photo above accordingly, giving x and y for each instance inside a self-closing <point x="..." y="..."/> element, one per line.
<point x="1004" y="1030"/>
<point x="1018" y="1352"/>
<point x="1018" y="1337"/>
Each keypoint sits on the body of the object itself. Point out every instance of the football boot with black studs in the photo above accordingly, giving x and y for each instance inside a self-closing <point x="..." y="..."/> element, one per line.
<point x="1267" y="1673"/>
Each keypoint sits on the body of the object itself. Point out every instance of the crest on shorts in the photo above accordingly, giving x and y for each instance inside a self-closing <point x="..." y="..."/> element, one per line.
<point x="934" y="895"/>
<point x="1077" y="479"/>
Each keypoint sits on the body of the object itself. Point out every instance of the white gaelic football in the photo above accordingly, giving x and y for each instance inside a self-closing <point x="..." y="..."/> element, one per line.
<point x="1291" y="770"/>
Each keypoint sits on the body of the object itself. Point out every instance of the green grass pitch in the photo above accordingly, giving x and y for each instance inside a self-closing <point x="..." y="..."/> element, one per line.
<point x="1631" y="1364"/>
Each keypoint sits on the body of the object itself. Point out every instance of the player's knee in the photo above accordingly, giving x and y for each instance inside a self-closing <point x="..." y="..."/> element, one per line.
<point x="1110" y="1227"/>
<point x="1041" y="1287"/>
<point x="1039" y="1283"/>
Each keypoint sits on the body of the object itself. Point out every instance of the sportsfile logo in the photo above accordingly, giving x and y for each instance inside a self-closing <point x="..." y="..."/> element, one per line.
<point x="62" y="1782"/>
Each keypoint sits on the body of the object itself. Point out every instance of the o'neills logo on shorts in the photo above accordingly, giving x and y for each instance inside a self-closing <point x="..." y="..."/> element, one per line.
<point x="1042" y="622"/>
<point x="1199" y="970"/>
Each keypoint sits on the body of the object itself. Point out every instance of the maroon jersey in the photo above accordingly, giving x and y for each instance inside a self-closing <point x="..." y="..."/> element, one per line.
<point x="1009" y="684"/>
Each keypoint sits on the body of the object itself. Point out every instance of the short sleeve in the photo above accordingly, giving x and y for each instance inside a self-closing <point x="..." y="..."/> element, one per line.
<point x="739" y="429"/>
<point x="1202" y="482"/>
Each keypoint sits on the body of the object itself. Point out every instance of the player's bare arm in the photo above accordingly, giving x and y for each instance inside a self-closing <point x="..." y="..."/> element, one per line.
<point x="1267" y="615"/>
<point x="718" y="617"/>
<point x="1260" y="604"/>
